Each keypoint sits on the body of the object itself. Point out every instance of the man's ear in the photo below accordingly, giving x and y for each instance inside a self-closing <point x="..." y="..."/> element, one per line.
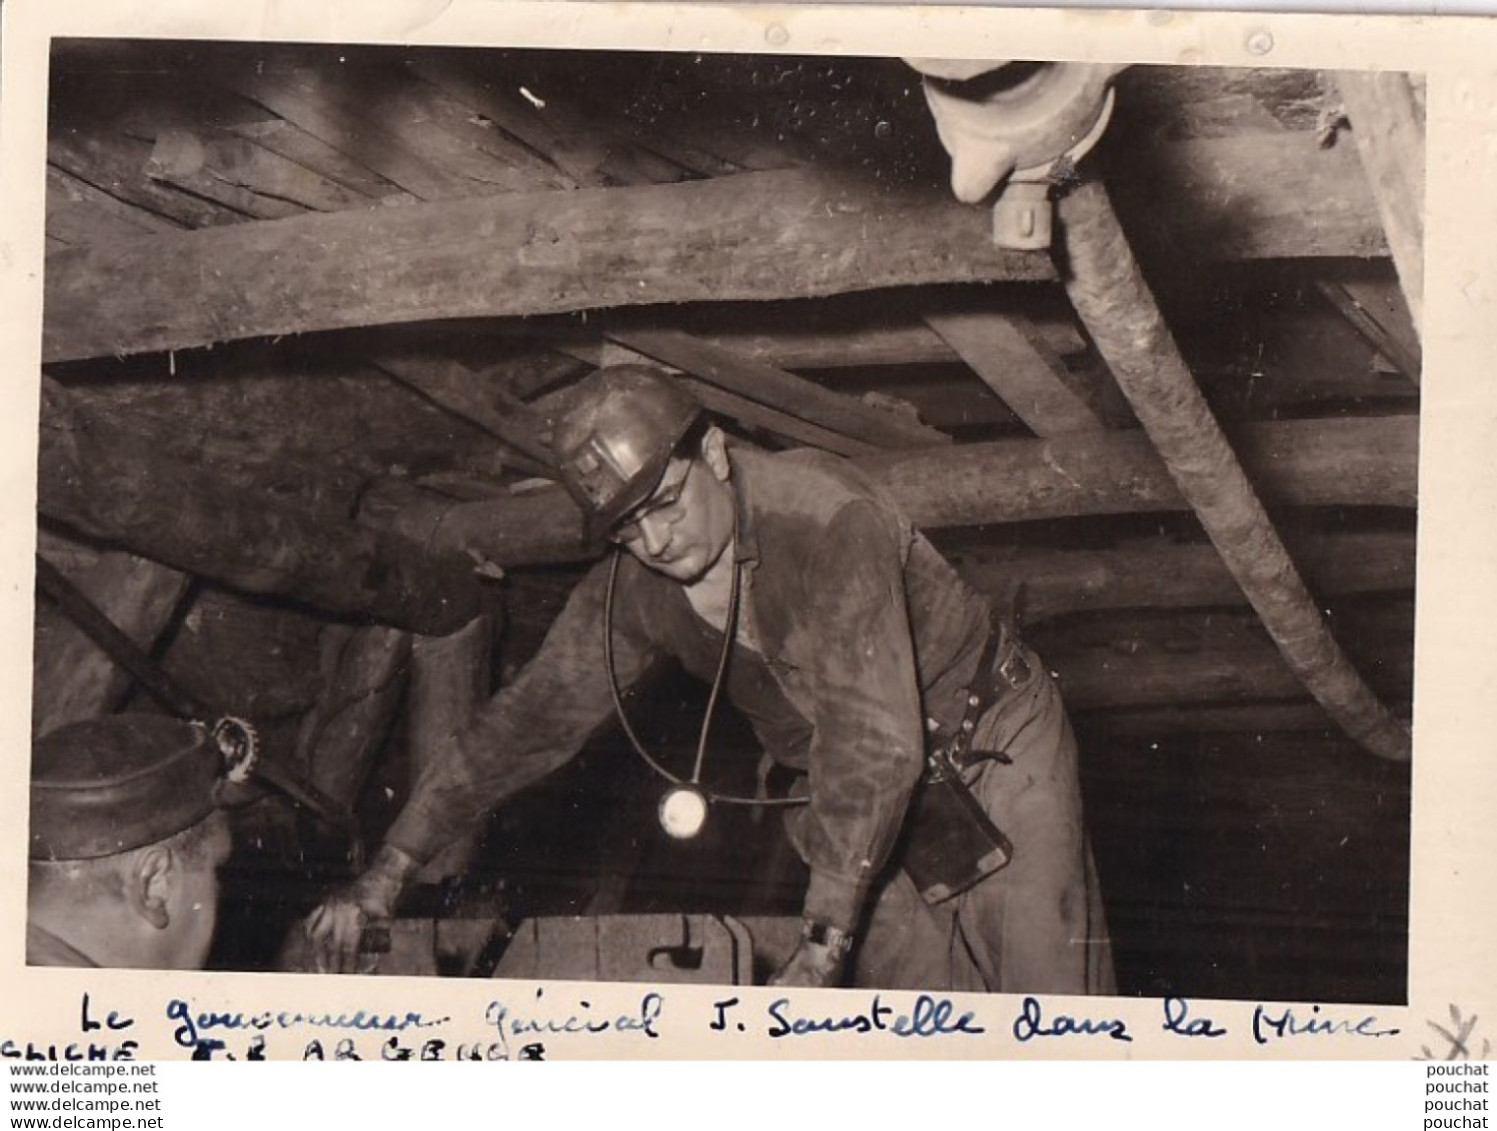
<point x="715" y="452"/>
<point x="149" y="886"/>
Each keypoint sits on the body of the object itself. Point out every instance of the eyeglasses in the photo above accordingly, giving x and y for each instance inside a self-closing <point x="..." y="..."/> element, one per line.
<point x="664" y="504"/>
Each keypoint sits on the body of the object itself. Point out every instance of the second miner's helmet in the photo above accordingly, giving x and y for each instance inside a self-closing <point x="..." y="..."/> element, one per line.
<point x="614" y="442"/>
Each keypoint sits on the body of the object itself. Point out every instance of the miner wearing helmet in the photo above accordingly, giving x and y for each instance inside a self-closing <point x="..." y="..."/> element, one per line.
<point x="942" y="818"/>
<point x="126" y="842"/>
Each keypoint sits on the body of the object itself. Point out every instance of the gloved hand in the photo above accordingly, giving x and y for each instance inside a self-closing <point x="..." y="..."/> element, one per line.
<point x="335" y="928"/>
<point x="812" y="964"/>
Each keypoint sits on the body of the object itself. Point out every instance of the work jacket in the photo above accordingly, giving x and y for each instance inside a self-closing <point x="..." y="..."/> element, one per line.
<point x="860" y="631"/>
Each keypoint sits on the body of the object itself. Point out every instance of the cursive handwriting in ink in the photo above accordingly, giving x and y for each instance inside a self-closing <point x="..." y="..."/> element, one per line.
<point x="1031" y="1023"/>
<point x="95" y="1049"/>
<point x="1268" y="1026"/>
<point x="928" y="1017"/>
<point x="194" y="1025"/>
<point x="579" y="1020"/>
<point x="1177" y="1020"/>
<point x="113" y="1021"/>
<point x="720" y="1023"/>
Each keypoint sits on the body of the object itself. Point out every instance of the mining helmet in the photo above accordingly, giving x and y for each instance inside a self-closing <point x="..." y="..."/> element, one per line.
<point x="614" y="442"/>
<point x="112" y="784"/>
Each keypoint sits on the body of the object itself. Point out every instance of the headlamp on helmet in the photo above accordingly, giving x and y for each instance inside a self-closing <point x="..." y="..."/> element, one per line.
<point x="614" y="443"/>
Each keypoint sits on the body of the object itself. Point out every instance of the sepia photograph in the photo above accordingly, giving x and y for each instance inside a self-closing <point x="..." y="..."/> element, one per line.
<point x="806" y="520"/>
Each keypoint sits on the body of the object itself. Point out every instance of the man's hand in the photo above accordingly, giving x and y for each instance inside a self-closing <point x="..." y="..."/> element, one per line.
<point x="335" y="928"/>
<point x="814" y="964"/>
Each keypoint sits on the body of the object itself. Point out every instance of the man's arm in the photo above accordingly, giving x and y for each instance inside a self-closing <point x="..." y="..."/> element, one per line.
<point x="530" y="728"/>
<point x="868" y="748"/>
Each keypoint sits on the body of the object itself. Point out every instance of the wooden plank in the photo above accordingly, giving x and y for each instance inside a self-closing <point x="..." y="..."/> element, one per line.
<point x="285" y="139"/>
<point x="108" y="483"/>
<point x="116" y="165"/>
<point x="78" y="213"/>
<point x="443" y="131"/>
<point x="202" y="165"/>
<point x="1134" y="671"/>
<point x="756" y="415"/>
<point x="488" y="113"/>
<point x="1407" y="361"/>
<point x="728" y="405"/>
<point x="759" y="236"/>
<point x="1255" y="196"/>
<point x="1388" y="128"/>
<point x="794" y="347"/>
<point x="307" y="98"/>
<point x="779" y="389"/>
<point x="1010" y="359"/>
<point x="1367" y="462"/>
<point x="1159" y="574"/>
<point x="1189" y="101"/>
<point x="558" y="136"/>
<point x="876" y="336"/>
<point x="1354" y="461"/>
<point x="214" y="163"/>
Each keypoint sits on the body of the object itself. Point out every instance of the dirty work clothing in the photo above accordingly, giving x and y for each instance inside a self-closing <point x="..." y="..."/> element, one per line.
<point x="860" y="630"/>
<point x="1037" y="925"/>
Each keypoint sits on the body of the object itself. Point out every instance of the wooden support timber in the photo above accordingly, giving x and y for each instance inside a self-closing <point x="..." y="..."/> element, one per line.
<point x="1388" y="128"/>
<point x="1359" y="306"/>
<point x="1159" y="574"/>
<point x="727" y="405"/>
<point x="1209" y="658"/>
<point x="107" y="482"/>
<point x="1253" y="196"/>
<point x="750" y="237"/>
<point x="1008" y="356"/>
<point x="1354" y="462"/>
<point x="780" y="390"/>
<point x="1115" y="304"/>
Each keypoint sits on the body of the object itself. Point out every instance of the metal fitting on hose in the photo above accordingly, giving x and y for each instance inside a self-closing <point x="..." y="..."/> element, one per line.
<point x="1008" y="125"/>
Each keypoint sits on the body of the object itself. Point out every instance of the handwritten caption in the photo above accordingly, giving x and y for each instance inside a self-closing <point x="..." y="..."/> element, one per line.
<point x="530" y="1025"/>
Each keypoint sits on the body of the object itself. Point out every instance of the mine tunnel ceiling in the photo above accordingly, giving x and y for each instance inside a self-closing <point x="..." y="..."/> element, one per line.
<point x="311" y="310"/>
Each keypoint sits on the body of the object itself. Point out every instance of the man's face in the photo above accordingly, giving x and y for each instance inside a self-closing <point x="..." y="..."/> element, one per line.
<point x="682" y="529"/>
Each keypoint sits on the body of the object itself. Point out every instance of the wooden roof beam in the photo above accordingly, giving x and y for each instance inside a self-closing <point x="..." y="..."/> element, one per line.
<point x="1367" y="307"/>
<point x="1221" y="665"/>
<point x="728" y="405"/>
<point x="777" y="389"/>
<point x="796" y="234"/>
<point x="1014" y="362"/>
<point x="1253" y="196"/>
<point x="1388" y="128"/>
<point x="1352" y="462"/>
<point x="1161" y="574"/>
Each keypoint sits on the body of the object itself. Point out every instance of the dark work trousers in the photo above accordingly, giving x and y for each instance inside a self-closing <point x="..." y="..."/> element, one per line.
<point x="1035" y="926"/>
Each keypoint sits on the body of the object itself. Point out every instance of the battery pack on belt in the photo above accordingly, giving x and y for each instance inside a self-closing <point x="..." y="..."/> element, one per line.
<point x="951" y="843"/>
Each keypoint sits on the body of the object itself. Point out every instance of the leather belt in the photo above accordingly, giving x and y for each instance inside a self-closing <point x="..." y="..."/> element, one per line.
<point x="1004" y="666"/>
